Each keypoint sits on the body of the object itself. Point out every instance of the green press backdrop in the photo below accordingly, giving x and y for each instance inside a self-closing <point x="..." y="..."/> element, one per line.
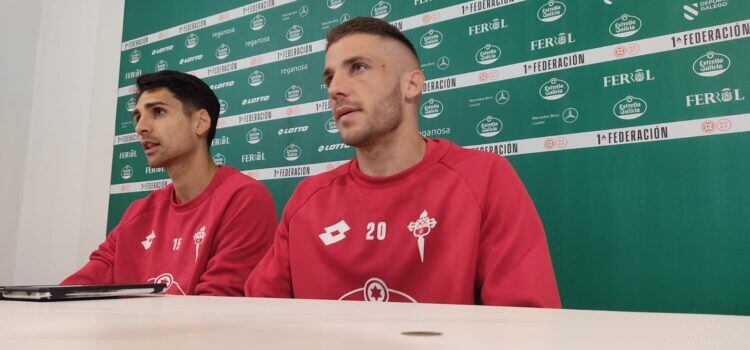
<point x="627" y="120"/>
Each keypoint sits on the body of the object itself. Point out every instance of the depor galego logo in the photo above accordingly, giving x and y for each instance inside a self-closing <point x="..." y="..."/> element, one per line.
<point x="254" y="136"/>
<point x="554" y="89"/>
<point x="293" y="93"/>
<point x="488" y="54"/>
<point x="431" y="109"/>
<point x="331" y="126"/>
<point x="258" y="22"/>
<point x="489" y="126"/>
<point x="431" y="39"/>
<point x="711" y="64"/>
<point x="219" y="159"/>
<point x="222" y="51"/>
<point x="161" y="65"/>
<point x="135" y="56"/>
<point x="551" y="11"/>
<point x="625" y="26"/>
<point x="130" y="105"/>
<point x="292" y="152"/>
<point x="256" y="78"/>
<point x="191" y="41"/>
<point x="294" y="33"/>
<point x="630" y="108"/>
<point x="381" y="9"/>
<point x="223" y="106"/>
<point x="334" y="4"/>
<point x="126" y="172"/>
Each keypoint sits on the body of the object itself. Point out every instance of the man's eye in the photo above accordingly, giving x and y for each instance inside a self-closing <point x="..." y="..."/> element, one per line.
<point x="159" y="111"/>
<point x="358" y="67"/>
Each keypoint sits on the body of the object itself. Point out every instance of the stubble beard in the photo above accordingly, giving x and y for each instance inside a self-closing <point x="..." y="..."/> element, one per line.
<point x="386" y="118"/>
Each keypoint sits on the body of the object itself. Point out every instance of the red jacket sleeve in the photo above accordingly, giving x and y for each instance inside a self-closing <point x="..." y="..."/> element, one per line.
<point x="272" y="277"/>
<point x="101" y="268"/>
<point x="514" y="265"/>
<point x="241" y="241"/>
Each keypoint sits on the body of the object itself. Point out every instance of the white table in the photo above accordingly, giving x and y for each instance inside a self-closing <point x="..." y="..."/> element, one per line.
<point x="214" y="323"/>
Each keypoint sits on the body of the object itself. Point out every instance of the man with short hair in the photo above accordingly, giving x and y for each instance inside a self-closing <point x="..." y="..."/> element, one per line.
<point x="409" y="219"/>
<point x="203" y="233"/>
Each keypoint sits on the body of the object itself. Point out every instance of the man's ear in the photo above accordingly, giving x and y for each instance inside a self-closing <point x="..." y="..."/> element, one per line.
<point x="412" y="83"/>
<point x="202" y="122"/>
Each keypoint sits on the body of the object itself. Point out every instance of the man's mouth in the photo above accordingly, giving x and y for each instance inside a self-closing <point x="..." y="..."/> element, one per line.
<point x="345" y="111"/>
<point x="149" y="147"/>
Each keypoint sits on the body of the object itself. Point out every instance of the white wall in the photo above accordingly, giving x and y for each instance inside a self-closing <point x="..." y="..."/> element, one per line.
<point x="63" y="206"/>
<point x="19" y="29"/>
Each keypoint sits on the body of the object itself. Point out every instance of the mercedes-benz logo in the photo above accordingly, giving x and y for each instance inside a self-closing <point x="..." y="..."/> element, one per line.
<point x="443" y="63"/>
<point x="502" y="97"/>
<point x="570" y="115"/>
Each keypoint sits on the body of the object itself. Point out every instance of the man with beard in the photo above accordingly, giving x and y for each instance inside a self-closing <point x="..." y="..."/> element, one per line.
<point x="203" y="233"/>
<point x="409" y="219"/>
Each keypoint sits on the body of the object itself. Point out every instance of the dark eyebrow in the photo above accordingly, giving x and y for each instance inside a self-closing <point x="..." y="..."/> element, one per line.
<point x="327" y="73"/>
<point x="148" y="106"/>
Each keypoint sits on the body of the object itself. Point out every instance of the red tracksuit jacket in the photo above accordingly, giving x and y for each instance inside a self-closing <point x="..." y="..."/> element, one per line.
<point x="458" y="227"/>
<point x="206" y="246"/>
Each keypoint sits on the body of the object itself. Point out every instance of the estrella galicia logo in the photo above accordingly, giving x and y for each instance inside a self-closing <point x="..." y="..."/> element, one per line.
<point x="126" y="172"/>
<point x="630" y="108"/>
<point x="711" y="64"/>
<point x="254" y="136"/>
<point x="294" y="33"/>
<point x="334" y="4"/>
<point x="625" y="26"/>
<point x="381" y="9"/>
<point x="256" y="78"/>
<point x="293" y="93"/>
<point x="219" y="159"/>
<point x="489" y="126"/>
<point x="161" y="65"/>
<point x="554" y="89"/>
<point x="431" y="109"/>
<point x="331" y="126"/>
<point x="135" y="56"/>
<point x="223" y="106"/>
<point x="191" y="41"/>
<point x="488" y="54"/>
<point x="130" y="105"/>
<point x="222" y="51"/>
<point x="258" y="22"/>
<point x="292" y="152"/>
<point x="431" y="39"/>
<point x="551" y="11"/>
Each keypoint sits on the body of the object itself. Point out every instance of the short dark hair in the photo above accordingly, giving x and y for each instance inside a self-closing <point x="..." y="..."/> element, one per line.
<point x="188" y="89"/>
<point x="368" y="25"/>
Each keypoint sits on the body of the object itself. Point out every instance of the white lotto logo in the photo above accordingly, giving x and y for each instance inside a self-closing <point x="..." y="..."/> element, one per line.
<point x="489" y="126"/>
<point x="381" y="10"/>
<point x="294" y="33"/>
<point x="551" y="11"/>
<point x="488" y="54"/>
<point x="223" y="106"/>
<point x="431" y="39"/>
<point x="126" y="172"/>
<point x="191" y="41"/>
<point x="161" y="65"/>
<point x="711" y="64"/>
<point x="630" y="108"/>
<point x="334" y="4"/>
<point x="292" y="152"/>
<point x="625" y="26"/>
<point x="135" y="56"/>
<point x="222" y="51"/>
<point x="431" y="109"/>
<point x="258" y="22"/>
<point x="254" y="136"/>
<point x="293" y="93"/>
<point x="219" y="159"/>
<point x="554" y="89"/>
